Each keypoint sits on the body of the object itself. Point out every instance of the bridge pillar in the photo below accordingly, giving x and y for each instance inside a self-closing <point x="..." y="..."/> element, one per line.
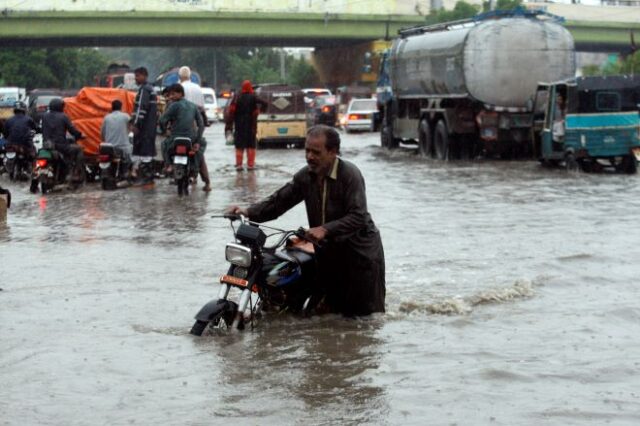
<point x="345" y="65"/>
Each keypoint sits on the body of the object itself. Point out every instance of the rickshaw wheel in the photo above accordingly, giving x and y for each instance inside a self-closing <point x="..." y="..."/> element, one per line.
<point x="570" y="163"/>
<point x="629" y="165"/>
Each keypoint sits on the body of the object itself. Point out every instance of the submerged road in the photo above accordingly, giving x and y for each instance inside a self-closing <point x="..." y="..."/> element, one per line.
<point x="512" y="298"/>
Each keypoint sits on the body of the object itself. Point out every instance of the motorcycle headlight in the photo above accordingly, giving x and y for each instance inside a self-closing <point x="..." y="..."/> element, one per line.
<point x="238" y="255"/>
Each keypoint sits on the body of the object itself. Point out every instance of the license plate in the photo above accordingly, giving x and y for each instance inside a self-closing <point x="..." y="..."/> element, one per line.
<point x="180" y="159"/>
<point x="636" y="153"/>
<point x="283" y="130"/>
<point x="11" y="155"/>
<point x="104" y="165"/>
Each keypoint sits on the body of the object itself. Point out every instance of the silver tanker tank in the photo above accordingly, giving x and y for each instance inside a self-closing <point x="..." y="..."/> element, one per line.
<point x="497" y="62"/>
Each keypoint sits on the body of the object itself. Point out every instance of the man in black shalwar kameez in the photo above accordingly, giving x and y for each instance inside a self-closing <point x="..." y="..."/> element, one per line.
<point x="351" y="270"/>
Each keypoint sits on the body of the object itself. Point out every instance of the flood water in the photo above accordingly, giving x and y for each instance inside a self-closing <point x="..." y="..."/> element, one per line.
<point x="511" y="300"/>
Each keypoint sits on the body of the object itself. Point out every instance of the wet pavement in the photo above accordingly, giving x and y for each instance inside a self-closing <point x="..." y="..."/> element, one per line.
<point x="511" y="297"/>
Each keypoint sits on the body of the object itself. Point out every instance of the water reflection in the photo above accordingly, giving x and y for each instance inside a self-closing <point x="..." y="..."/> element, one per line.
<point x="245" y="187"/>
<point x="312" y="369"/>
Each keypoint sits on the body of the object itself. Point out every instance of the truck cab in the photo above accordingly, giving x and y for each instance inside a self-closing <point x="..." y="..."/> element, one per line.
<point x="589" y="123"/>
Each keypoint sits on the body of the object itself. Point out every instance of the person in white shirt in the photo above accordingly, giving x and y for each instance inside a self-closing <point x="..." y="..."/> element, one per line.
<point x="115" y="129"/>
<point x="193" y="93"/>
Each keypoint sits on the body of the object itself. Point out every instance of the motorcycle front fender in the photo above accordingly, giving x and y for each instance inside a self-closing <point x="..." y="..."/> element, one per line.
<point x="214" y="309"/>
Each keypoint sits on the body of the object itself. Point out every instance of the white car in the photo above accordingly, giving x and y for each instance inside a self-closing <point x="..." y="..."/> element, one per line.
<point x="360" y="115"/>
<point x="210" y="104"/>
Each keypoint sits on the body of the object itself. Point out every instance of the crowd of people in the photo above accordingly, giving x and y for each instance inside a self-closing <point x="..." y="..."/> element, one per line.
<point x="183" y="116"/>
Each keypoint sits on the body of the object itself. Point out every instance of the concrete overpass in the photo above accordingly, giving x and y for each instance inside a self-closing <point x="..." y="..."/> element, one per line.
<point x="190" y="28"/>
<point x="64" y="29"/>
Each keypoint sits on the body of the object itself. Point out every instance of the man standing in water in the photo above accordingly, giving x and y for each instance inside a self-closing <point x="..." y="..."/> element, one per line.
<point x="351" y="270"/>
<point x="143" y="121"/>
<point x="243" y="118"/>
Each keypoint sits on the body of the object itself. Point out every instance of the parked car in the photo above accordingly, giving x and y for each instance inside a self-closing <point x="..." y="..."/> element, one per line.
<point x="210" y="104"/>
<point x="311" y="94"/>
<point x="323" y="110"/>
<point x="8" y="98"/>
<point x="361" y="114"/>
<point x="39" y="102"/>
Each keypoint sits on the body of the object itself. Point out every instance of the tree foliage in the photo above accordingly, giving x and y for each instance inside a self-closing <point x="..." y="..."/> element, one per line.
<point x="461" y="10"/>
<point x="221" y="67"/>
<point x="464" y="10"/>
<point x="57" y="68"/>
<point x="624" y="65"/>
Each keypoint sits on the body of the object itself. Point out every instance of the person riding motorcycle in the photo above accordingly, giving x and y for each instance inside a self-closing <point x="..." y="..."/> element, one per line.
<point x="55" y="125"/>
<point x="181" y="115"/>
<point x="20" y="128"/>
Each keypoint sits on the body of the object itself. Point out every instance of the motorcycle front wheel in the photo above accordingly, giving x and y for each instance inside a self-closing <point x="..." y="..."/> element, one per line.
<point x="199" y="327"/>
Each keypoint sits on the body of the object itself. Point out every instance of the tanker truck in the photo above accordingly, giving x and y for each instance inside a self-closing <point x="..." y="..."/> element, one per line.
<point x="466" y="88"/>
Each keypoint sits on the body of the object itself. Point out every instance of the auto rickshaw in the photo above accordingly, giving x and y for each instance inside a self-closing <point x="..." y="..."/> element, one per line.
<point x="284" y="121"/>
<point x="589" y="123"/>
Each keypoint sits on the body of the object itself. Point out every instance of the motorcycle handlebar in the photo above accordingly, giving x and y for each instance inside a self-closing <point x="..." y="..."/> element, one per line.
<point x="302" y="234"/>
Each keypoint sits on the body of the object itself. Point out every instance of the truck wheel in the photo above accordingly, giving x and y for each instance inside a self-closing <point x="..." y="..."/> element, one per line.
<point x="386" y="138"/>
<point x="441" y="141"/>
<point x="425" y="140"/>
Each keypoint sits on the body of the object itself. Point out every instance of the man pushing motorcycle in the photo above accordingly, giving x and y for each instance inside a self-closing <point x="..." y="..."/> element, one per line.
<point x="350" y="260"/>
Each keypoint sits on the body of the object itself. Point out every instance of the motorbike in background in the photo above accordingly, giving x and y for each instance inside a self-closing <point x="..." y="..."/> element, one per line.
<point x="18" y="162"/>
<point x="277" y="278"/>
<point x="114" y="166"/>
<point x="2" y="155"/>
<point x="184" y="164"/>
<point x="49" y="169"/>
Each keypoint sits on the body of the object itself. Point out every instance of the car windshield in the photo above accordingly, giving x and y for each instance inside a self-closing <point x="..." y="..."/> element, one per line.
<point x="325" y="100"/>
<point x="311" y="94"/>
<point x="8" y="99"/>
<point x="44" y="100"/>
<point x="363" y="105"/>
<point x="208" y="99"/>
<point x="222" y="102"/>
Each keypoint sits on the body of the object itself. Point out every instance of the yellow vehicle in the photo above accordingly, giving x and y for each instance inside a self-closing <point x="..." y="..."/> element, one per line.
<point x="284" y="121"/>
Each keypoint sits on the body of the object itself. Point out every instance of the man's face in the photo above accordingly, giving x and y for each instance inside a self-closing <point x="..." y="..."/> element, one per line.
<point x="175" y="96"/>
<point x="319" y="159"/>
<point x="140" y="78"/>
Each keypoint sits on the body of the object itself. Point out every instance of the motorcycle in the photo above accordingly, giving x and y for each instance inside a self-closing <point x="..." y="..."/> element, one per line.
<point x="184" y="164"/>
<point x="2" y="156"/>
<point x="114" y="167"/>
<point x="18" y="162"/>
<point x="276" y="278"/>
<point x="49" y="169"/>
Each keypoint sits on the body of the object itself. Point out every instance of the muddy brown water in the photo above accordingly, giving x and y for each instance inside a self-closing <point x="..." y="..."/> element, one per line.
<point x="512" y="299"/>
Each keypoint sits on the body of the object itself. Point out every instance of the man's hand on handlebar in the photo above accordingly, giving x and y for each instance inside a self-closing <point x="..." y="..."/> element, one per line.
<point x="237" y="210"/>
<point x="316" y="234"/>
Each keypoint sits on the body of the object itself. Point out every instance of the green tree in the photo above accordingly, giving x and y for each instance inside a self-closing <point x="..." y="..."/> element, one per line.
<point x="461" y="10"/>
<point x="302" y="73"/>
<point x="627" y="65"/>
<point x="502" y="5"/>
<point x="59" y="68"/>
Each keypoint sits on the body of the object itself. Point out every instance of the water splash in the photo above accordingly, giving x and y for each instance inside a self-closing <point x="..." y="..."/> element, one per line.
<point x="464" y="305"/>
